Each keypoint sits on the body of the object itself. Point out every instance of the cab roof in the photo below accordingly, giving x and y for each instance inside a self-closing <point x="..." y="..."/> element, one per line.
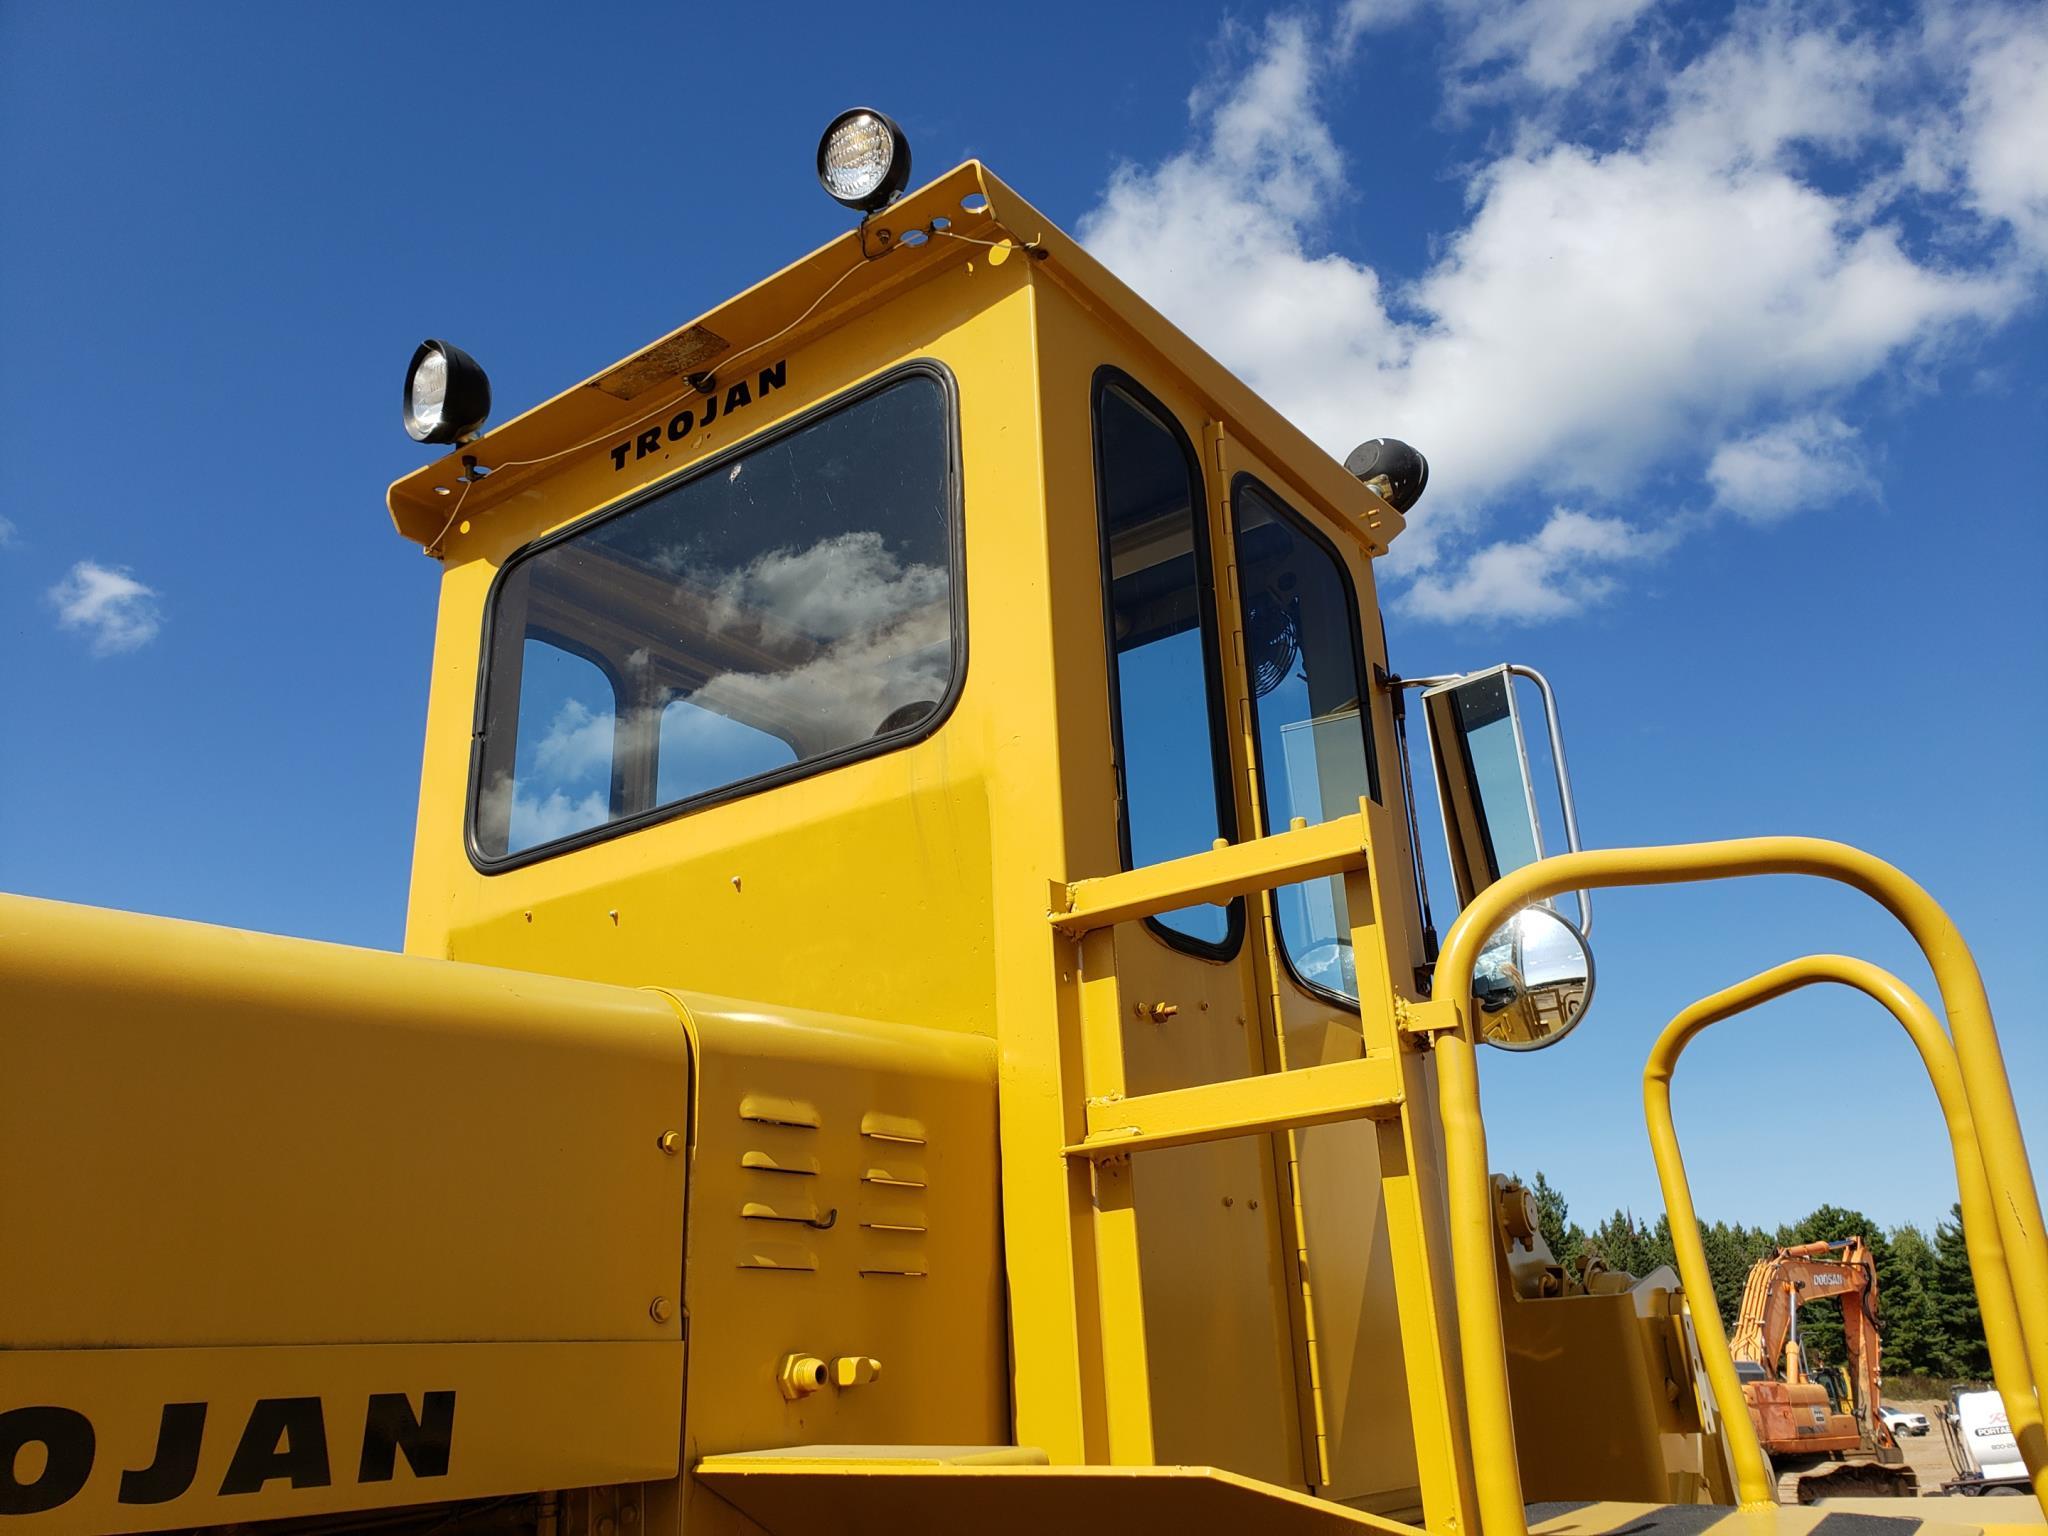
<point x="859" y="269"/>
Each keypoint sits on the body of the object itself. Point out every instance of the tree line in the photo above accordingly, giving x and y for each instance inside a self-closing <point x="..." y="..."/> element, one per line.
<point x="1927" y="1306"/>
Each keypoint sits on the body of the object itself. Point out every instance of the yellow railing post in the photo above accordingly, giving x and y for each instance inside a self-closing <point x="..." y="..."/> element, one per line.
<point x="1988" y="1269"/>
<point x="1470" y="1197"/>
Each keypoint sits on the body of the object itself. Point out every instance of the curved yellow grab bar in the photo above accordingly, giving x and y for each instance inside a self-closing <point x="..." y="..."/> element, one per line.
<point x="1469" y="1192"/>
<point x="1988" y="1268"/>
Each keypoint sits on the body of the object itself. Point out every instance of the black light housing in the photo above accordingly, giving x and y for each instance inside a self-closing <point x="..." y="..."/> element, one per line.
<point x="447" y="395"/>
<point x="1393" y="469"/>
<point x="863" y="160"/>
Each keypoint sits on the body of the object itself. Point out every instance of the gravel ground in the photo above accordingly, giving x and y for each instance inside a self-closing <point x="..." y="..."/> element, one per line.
<point x="1927" y="1454"/>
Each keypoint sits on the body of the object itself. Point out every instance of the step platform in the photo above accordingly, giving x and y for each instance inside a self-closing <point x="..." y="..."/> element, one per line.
<point x="854" y="1490"/>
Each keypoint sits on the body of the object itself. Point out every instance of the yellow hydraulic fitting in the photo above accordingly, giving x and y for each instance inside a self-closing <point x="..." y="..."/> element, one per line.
<point x="800" y="1375"/>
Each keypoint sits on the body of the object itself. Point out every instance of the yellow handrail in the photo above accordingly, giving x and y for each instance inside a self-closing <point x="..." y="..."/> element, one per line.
<point x="1988" y="1269"/>
<point x="1469" y="1192"/>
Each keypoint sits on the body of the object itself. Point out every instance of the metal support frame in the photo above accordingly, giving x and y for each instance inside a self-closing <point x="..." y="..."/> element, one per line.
<point x="1480" y="1326"/>
<point x="1989" y="1272"/>
<point x="1376" y="1086"/>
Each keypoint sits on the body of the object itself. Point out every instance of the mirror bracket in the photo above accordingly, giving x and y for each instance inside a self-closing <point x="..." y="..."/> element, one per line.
<point x="1424" y="1021"/>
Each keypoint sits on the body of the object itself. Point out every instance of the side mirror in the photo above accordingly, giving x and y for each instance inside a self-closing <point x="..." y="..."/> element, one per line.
<point x="1532" y="981"/>
<point x="1484" y="787"/>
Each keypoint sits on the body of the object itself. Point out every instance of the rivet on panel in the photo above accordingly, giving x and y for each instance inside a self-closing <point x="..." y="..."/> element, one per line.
<point x="670" y="1142"/>
<point x="661" y="1309"/>
<point x="614" y="916"/>
<point x="735" y="882"/>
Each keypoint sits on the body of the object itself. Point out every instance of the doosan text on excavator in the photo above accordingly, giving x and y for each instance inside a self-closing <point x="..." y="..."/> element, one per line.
<point x="921" y="1008"/>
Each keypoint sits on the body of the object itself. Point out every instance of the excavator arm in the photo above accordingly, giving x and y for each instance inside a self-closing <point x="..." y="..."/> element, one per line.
<point x="1781" y="1283"/>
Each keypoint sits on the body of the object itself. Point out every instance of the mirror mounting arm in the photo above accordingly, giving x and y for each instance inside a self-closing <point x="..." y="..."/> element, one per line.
<point x="1564" y="782"/>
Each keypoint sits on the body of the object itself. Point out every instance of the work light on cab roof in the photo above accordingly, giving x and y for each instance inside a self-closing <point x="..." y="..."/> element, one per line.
<point x="447" y="395"/>
<point x="864" y="160"/>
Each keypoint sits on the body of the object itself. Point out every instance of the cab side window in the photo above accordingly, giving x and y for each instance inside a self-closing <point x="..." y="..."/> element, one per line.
<point x="1173" y="785"/>
<point x="781" y="610"/>
<point x="568" y="719"/>
<point x="1307" y="675"/>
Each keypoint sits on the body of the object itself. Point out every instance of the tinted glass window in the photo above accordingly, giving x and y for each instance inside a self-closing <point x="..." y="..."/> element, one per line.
<point x="792" y="606"/>
<point x="1310" y="705"/>
<point x="1175" y="792"/>
<point x="568" y="715"/>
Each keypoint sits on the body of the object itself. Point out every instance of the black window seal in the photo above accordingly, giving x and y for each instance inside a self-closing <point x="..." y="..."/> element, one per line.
<point x="1280" y="505"/>
<point x="1110" y="377"/>
<point x="741" y="789"/>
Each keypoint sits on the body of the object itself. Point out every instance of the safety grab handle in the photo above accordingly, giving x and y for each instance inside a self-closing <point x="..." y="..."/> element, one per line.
<point x="1989" y="1271"/>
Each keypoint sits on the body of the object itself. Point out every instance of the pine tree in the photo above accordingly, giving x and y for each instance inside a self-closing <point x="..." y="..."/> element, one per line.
<point x="1912" y="1327"/>
<point x="1732" y="1251"/>
<point x="1565" y="1237"/>
<point x="1625" y="1243"/>
<point x="1961" y="1327"/>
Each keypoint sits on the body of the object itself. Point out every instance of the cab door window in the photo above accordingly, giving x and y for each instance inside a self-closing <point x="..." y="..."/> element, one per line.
<point x="1306" y="673"/>
<point x="1173" y="785"/>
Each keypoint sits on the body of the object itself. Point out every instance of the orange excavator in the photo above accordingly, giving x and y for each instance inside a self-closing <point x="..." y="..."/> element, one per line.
<point x="1799" y="1409"/>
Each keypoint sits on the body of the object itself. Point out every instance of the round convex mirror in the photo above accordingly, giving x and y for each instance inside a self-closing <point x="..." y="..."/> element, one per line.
<point x="1532" y="981"/>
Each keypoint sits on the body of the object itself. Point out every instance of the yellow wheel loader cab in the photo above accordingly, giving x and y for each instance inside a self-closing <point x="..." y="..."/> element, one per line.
<point x="920" y="1010"/>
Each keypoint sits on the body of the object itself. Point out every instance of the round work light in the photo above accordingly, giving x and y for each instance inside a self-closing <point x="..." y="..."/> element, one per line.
<point x="864" y="160"/>
<point x="1390" y="467"/>
<point x="447" y="396"/>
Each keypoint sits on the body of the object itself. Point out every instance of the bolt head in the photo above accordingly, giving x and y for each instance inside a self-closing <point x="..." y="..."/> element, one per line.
<point x="661" y="1309"/>
<point x="670" y="1142"/>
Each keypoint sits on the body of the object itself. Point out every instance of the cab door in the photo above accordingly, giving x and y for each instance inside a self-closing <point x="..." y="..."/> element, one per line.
<point x="1317" y="743"/>
<point x="1212" y="1226"/>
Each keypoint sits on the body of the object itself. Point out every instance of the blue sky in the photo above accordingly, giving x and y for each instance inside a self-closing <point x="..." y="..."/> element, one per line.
<point x="1722" y="327"/>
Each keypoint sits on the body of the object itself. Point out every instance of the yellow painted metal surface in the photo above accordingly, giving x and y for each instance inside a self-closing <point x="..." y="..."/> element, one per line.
<point x="236" y="1167"/>
<point x="792" y="1494"/>
<point x="860" y="1111"/>
<point x="845" y="1204"/>
<point x="945" y="850"/>
<point x="1990" y="1274"/>
<point x="1595" y="1413"/>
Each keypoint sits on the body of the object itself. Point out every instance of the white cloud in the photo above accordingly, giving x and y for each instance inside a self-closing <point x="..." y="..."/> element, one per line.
<point x="1806" y="461"/>
<point x="543" y="819"/>
<point x="578" y="742"/>
<point x="1605" y="311"/>
<point x="1548" y="44"/>
<point x="6" y="531"/>
<point x="1999" y="138"/>
<point x="1557" y="571"/>
<point x="118" y="612"/>
<point x="847" y="585"/>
